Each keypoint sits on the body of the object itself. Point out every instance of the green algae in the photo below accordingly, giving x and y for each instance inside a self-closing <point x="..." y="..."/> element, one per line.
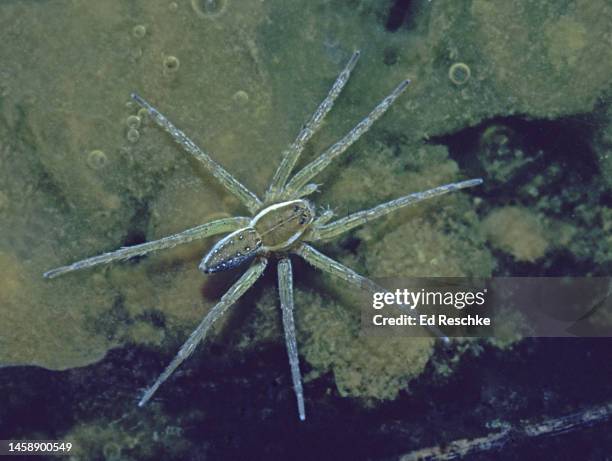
<point x="371" y="368"/>
<point x="603" y="146"/>
<point x="518" y="232"/>
<point x="554" y="45"/>
<point x="130" y="437"/>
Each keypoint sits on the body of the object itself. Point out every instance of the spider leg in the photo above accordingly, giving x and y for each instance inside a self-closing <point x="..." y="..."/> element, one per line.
<point x="347" y="223"/>
<point x="285" y="290"/>
<point x="308" y="189"/>
<point x="248" y="198"/>
<point x="292" y="154"/>
<point x="333" y="267"/>
<point x="229" y="298"/>
<point x="205" y="230"/>
<point x="319" y="164"/>
<point x="323" y="218"/>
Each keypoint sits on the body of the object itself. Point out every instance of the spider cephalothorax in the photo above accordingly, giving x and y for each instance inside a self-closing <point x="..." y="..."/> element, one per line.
<point x="284" y="223"/>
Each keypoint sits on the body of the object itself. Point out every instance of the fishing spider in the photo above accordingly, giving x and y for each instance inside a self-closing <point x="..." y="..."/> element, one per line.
<point x="281" y="224"/>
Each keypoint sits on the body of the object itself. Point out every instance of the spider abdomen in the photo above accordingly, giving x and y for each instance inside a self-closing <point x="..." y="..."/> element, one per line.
<point x="232" y="250"/>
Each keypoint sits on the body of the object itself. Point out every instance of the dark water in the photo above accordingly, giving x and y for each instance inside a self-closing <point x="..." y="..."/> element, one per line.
<point x="243" y="409"/>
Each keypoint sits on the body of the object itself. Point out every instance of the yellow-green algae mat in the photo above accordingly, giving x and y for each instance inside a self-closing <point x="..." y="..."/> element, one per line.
<point x="82" y="172"/>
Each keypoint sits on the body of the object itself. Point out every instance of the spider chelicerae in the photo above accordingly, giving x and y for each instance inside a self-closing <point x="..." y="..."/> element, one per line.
<point x="284" y="223"/>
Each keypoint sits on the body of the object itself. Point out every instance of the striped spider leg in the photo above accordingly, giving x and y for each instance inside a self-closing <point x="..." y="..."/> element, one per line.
<point x="335" y="228"/>
<point x="219" y="226"/>
<point x="285" y="291"/>
<point x="248" y="198"/>
<point x="301" y="178"/>
<point x="230" y="297"/>
<point x="326" y="264"/>
<point x="292" y="154"/>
